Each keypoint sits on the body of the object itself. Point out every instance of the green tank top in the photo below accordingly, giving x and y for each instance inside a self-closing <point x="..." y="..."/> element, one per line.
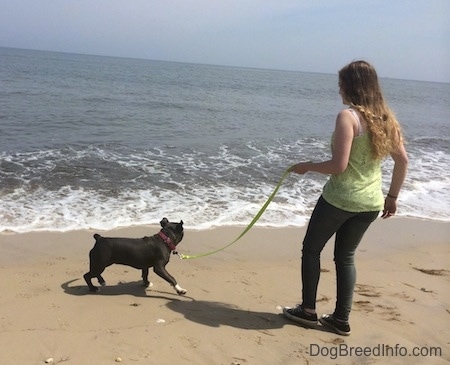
<point x="358" y="188"/>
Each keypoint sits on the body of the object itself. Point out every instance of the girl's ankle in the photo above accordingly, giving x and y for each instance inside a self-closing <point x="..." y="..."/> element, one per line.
<point x="340" y="320"/>
<point x="309" y="311"/>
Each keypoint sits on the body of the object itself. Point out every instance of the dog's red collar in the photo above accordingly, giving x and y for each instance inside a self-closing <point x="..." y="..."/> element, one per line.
<point x="167" y="241"/>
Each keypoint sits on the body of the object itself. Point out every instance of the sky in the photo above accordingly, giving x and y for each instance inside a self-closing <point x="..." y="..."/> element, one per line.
<point x="403" y="39"/>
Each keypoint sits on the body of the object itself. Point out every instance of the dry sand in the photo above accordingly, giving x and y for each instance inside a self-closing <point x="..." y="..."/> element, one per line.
<point x="232" y="311"/>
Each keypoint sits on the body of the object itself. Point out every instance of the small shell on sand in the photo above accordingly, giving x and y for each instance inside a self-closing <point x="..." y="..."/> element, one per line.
<point x="118" y="359"/>
<point x="49" y="360"/>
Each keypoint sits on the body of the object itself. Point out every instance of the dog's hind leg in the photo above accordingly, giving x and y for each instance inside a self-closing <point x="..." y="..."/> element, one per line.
<point x="96" y="267"/>
<point x="94" y="274"/>
<point x="101" y="281"/>
<point x="88" y="278"/>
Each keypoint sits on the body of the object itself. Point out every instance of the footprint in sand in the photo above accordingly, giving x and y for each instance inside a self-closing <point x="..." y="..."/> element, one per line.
<point x="385" y="311"/>
<point x="405" y="297"/>
<point x="435" y="272"/>
<point x="390" y="313"/>
<point x="367" y="290"/>
<point x="365" y="306"/>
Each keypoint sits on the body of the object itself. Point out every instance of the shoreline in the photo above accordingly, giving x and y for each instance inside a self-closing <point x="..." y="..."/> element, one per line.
<point x="231" y="313"/>
<point x="140" y="227"/>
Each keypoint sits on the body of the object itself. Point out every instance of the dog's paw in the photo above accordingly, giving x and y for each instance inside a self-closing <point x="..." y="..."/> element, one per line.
<point x="180" y="290"/>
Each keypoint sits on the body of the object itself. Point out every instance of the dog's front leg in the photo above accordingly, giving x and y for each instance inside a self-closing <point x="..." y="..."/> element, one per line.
<point x="162" y="272"/>
<point x="145" y="277"/>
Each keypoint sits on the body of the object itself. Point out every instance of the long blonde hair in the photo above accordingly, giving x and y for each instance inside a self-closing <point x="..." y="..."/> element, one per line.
<point x="360" y="87"/>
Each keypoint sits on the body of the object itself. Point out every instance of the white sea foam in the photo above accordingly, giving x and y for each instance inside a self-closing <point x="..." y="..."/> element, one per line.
<point x="96" y="188"/>
<point x="200" y="205"/>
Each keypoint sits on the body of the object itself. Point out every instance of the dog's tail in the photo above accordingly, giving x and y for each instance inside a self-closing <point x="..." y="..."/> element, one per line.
<point x="97" y="236"/>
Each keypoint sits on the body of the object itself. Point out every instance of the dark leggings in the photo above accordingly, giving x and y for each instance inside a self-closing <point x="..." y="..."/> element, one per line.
<point x="349" y="227"/>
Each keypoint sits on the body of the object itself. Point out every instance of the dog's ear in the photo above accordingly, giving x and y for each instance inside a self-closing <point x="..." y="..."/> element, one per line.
<point x="179" y="227"/>
<point x="164" y="222"/>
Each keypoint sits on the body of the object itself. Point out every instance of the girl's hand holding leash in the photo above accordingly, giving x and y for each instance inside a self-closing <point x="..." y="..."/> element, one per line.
<point x="300" y="168"/>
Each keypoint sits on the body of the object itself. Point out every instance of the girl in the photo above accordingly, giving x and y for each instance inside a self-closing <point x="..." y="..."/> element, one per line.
<point x="352" y="198"/>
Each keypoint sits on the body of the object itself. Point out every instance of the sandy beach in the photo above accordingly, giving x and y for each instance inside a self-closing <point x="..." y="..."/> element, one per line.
<point x="231" y="313"/>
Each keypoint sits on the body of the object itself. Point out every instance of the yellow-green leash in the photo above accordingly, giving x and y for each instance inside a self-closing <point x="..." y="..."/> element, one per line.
<point x="261" y="211"/>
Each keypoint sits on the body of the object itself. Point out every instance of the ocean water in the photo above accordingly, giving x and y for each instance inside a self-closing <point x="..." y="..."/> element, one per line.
<point x="101" y="142"/>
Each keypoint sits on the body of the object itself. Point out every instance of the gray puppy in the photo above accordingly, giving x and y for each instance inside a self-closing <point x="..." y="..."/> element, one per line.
<point x="140" y="253"/>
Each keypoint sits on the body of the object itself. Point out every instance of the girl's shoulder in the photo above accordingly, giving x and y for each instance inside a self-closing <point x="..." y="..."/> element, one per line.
<point x="347" y="113"/>
<point x="346" y="116"/>
<point x="351" y="118"/>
